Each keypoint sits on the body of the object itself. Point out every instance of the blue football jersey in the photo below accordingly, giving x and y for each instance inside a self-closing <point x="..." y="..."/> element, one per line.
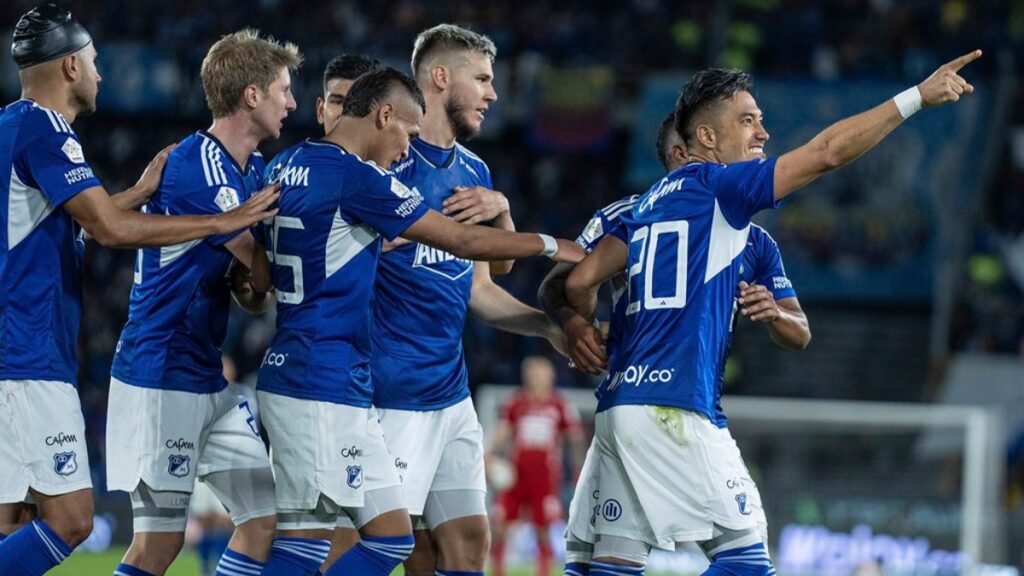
<point x="180" y="298"/>
<point x="601" y="225"/>
<point x="762" y="264"/>
<point x="41" y="247"/>
<point x="685" y="236"/>
<point x="324" y="244"/>
<point x="272" y="172"/>
<point x="422" y="294"/>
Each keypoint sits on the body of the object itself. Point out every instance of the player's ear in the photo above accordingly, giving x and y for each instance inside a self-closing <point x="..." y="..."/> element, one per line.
<point x="250" y="95"/>
<point x="439" y="76"/>
<point x="70" y="66"/>
<point x="385" y="114"/>
<point x="706" y="136"/>
<point x="320" y="103"/>
<point x="678" y="153"/>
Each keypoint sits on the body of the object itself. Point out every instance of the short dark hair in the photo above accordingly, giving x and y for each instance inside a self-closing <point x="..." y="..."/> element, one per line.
<point x="664" y="131"/>
<point x="449" y="38"/>
<point x="705" y="90"/>
<point x="349" y="67"/>
<point x="371" y="88"/>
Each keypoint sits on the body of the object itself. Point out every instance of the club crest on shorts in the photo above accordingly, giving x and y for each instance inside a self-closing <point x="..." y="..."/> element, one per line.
<point x="611" y="510"/>
<point x="355" y="475"/>
<point x="179" y="465"/>
<point x="65" y="463"/>
<point x="741" y="501"/>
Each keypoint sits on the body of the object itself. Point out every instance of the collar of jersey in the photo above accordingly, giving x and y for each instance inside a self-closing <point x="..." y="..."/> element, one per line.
<point x="227" y="154"/>
<point x="447" y="163"/>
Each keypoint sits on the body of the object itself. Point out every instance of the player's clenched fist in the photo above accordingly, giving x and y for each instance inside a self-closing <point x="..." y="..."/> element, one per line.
<point x="758" y="303"/>
<point x="946" y="84"/>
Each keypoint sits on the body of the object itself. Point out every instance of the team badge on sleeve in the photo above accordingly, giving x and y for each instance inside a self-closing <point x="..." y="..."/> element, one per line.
<point x="226" y="199"/>
<point x="355" y="475"/>
<point x="65" y="463"/>
<point x="593" y="230"/>
<point x="178" y="465"/>
<point x="73" y="150"/>
<point x="400" y="189"/>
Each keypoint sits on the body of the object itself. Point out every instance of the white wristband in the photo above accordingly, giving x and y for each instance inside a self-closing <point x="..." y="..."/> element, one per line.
<point x="908" y="102"/>
<point x="550" y="246"/>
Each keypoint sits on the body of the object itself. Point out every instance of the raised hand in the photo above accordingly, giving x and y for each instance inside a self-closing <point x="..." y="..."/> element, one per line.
<point x="150" y="179"/>
<point x="255" y="209"/>
<point x="474" y="205"/>
<point x="946" y="84"/>
<point x="586" y="346"/>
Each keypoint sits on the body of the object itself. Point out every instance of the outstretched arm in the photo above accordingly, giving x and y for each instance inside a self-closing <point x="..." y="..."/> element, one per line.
<point x="495" y="306"/>
<point x="478" y="204"/>
<point x="844" y="141"/>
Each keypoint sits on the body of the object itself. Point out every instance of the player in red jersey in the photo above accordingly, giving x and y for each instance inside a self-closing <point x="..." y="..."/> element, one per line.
<point x="536" y="419"/>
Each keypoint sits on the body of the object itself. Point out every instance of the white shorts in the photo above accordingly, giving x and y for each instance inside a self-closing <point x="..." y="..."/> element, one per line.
<point x="586" y="500"/>
<point x="668" y="475"/>
<point x="323" y="448"/>
<point x="42" y="445"/>
<point x="436" y="450"/>
<point x="166" y="438"/>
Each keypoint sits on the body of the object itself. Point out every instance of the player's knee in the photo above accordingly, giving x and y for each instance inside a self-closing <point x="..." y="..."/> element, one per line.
<point x="421" y="562"/>
<point x="75" y="527"/>
<point x="260" y="529"/>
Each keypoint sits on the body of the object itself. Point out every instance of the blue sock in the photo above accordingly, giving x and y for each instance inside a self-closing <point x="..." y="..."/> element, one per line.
<point x="32" y="550"/>
<point x="746" y="561"/>
<point x="296" y="556"/>
<point x="456" y="573"/>
<point x="607" y="569"/>
<point x="128" y="570"/>
<point x="374" y="556"/>
<point x="576" y="569"/>
<point x="237" y="564"/>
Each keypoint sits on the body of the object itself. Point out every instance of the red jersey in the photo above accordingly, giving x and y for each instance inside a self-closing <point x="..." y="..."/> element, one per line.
<point x="538" y="429"/>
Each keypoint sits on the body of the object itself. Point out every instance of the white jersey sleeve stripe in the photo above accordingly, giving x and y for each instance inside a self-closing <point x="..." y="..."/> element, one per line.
<point x="219" y="165"/>
<point x="53" y="120"/>
<point x="205" y="162"/>
<point x="64" y="122"/>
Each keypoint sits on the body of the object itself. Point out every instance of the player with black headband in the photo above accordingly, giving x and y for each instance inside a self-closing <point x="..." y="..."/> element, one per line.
<point x="48" y="195"/>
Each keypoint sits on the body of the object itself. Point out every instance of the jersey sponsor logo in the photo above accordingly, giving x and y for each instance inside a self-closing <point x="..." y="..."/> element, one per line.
<point x="65" y="463"/>
<point x="179" y="444"/>
<point x="641" y="374"/>
<point x="226" y="198"/>
<point x="430" y="258"/>
<point x="274" y="359"/>
<point x="405" y="164"/>
<point x="743" y="503"/>
<point x="593" y="231"/>
<point x="353" y="452"/>
<point x="408" y="207"/>
<point x="78" y="174"/>
<point x="295" y="176"/>
<point x="401" y="464"/>
<point x="664" y="188"/>
<point x="73" y="150"/>
<point x="611" y="510"/>
<point x="781" y="282"/>
<point x="60" y="439"/>
<point x="354" y="475"/>
<point x="178" y="465"/>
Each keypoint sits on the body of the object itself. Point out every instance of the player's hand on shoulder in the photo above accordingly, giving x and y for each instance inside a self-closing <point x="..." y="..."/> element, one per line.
<point x="586" y="345"/>
<point x="758" y="303"/>
<point x="256" y="208"/>
<point x="150" y="179"/>
<point x="946" y="84"/>
<point x="474" y="204"/>
<point x="390" y="245"/>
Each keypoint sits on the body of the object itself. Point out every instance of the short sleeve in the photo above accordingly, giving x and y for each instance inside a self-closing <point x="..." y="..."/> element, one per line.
<point x="57" y="164"/>
<point x="594" y="231"/>
<point x="770" y="271"/>
<point x="383" y="202"/>
<point x="620" y="231"/>
<point x="744" y="189"/>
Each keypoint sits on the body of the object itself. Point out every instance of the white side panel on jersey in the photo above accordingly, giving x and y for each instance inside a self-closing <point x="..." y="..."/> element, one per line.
<point x="726" y="244"/>
<point x="169" y="254"/>
<point x="344" y="242"/>
<point x="26" y="208"/>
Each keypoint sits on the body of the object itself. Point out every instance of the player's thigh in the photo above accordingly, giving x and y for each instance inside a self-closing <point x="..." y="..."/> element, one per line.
<point x="316" y="451"/>
<point x="156" y="437"/>
<point x="384" y="502"/>
<point x="416" y="440"/>
<point x="43" y="446"/>
<point x="461" y="466"/>
<point x="585" y="500"/>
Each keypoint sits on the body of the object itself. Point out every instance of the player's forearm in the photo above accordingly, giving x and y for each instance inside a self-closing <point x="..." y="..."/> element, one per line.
<point x="133" y="230"/>
<point x="552" y="298"/>
<point x="503" y="222"/>
<point x="790" y="330"/>
<point x="131" y="198"/>
<point x="260" y="270"/>
<point x="252" y="300"/>
<point x="491" y="304"/>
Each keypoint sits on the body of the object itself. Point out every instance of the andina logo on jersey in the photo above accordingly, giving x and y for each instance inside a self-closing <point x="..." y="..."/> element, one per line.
<point x="178" y="465"/>
<point x="434" y="260"/>
<point x="641" y="374"/>
<point x="60" y="439"/>
<point x="65" y="463"/>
